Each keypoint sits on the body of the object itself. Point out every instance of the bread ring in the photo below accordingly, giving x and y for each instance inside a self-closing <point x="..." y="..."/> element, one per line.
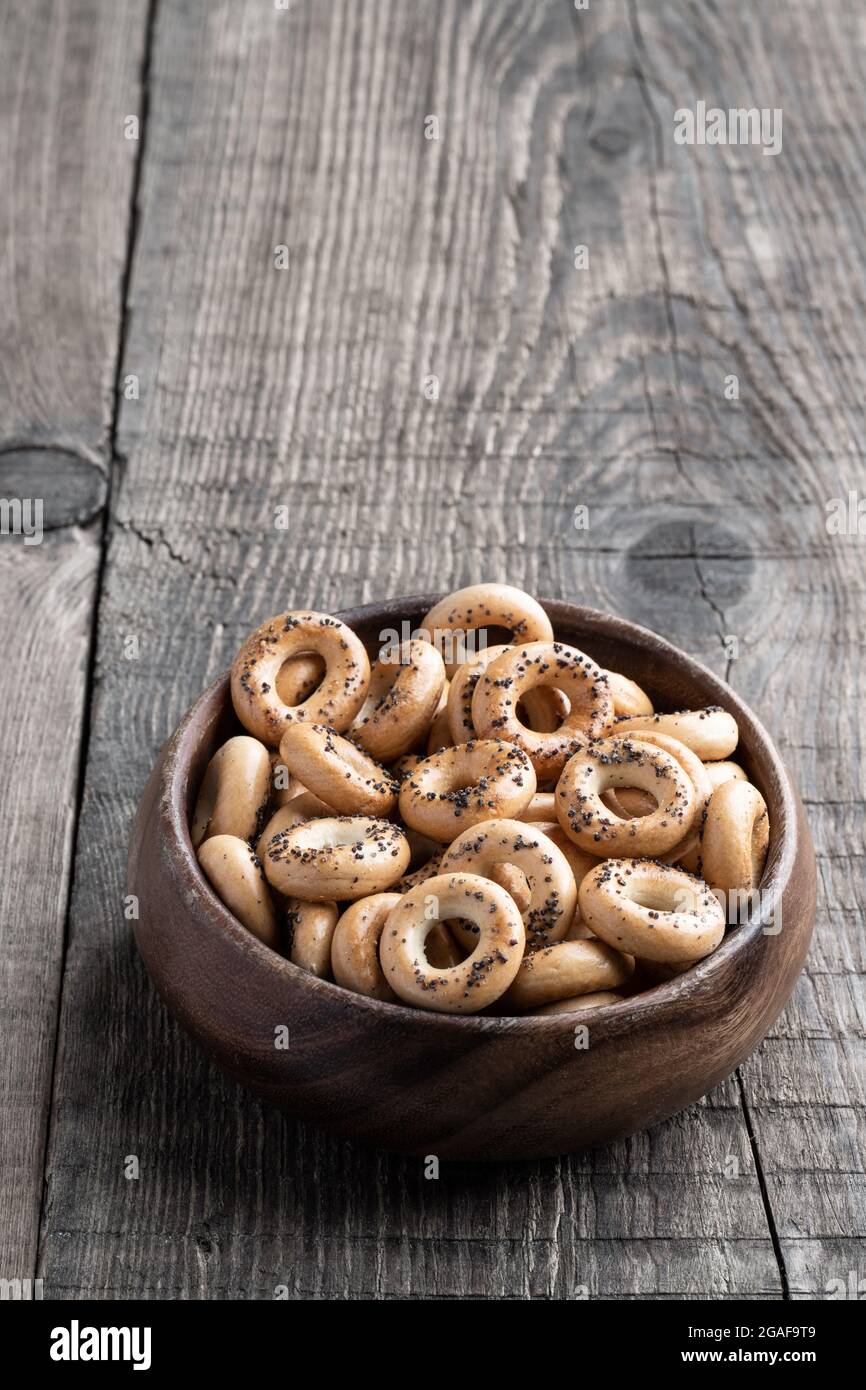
<point x="336" y="859"/>
<point x="311" y="927"/>
<point x="621" y="762"/>
<point x="503" y="685"/>
<point x="337" y="772"/>
<point x="401" y="701"/>
<point x="652" y="911"/>
<point x="628" y="698"/>
<point x="581" y="1001"/>
<point x="694" y="770"/>
<point x="541" y="709"/>
<point x="724" y="772"/>
<point x="463" y="786"/>
<point x="235" y="790"/>
<point x="736" y="837"/>
<point x="254" y="674"/>
<point x="298" y="677"/>
<point x="355" y="947"/>
<point x="235" y="873"/>
<point x="478" y="980"/>
<point x="553" y="894"/>
<point x="498" y="605"/>
<point x="712" y="733"/>
<point x="567" y="969"/>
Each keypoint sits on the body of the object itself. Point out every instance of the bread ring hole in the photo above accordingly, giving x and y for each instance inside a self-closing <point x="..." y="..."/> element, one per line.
<point x="664" y="897"/>
<point x="629" y="803"/>
<point x="299" y="677"/>
<point x="442" y="947"/>
<point x="543" y="709"/>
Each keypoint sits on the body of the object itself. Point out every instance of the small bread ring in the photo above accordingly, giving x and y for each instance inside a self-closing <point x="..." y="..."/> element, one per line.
<point x="553" y="894"/>
<point x="478" y="980"/>
<point x="254" y="674"/>
<point x="311" y="926"/>
<point x="463" y="786"/>
<point x="235" y="790"/>
<point x="694" y="770"/>
<point x="468" y="609"/>
<point x="652" y="911"/>
<point x="712" y="733"/>
<point x="627" y="802"/>
<point x="735" y="839"/>
<point x="235" y="873"/>
<point x="724" y="772"/>
<point x="402" y="699"/>
<point x="336" y="859"/>
<point x="625" y="763"/>
<point x="298" y="677"/>
<point x="628" y="698"/>
<point x="567" y="969"/>
<point x="581" y="1001"/>
<point x="338" y="772"/>
<point x="542" y="807"/>
<point x="505" y="682"/>
<point x="355" y="947"/>
<point x="542" y="709"/>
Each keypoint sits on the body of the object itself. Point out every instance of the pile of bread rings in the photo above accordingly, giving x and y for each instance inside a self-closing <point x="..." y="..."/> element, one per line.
<point x="514" y="830"/>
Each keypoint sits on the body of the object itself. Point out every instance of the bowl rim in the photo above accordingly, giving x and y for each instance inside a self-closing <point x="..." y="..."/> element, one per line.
<point x="664" y="997"/>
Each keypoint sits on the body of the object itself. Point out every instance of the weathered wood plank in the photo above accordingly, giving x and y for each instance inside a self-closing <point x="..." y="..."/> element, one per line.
<point x="557" y="387"/>
<point x="69" y="75"/>
<point x="773" y="241"/>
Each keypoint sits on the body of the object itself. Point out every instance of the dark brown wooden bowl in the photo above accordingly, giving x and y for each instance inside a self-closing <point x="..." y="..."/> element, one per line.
<point x="483" y="1088"/>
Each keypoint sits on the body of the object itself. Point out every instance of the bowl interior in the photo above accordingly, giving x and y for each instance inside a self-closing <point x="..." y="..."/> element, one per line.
<point x="673" y="681"/>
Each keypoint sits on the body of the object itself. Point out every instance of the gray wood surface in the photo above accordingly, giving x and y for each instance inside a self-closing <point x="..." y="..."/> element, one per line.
<point x="69" y="75"/>
<point x="557" y="387"/>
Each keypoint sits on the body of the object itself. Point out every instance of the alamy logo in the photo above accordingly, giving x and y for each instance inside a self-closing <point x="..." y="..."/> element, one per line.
<point x="740" y="125"/>
<point x="20" y="1290"/>
<point x="77" y="1343"/>
<point x="22" y="516"/>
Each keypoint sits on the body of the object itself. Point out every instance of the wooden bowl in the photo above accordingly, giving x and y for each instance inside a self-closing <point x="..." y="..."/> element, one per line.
<point x="481" y="1088"/>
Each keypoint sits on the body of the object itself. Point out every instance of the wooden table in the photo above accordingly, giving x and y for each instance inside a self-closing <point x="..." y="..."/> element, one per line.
<point x="431" y="386"/>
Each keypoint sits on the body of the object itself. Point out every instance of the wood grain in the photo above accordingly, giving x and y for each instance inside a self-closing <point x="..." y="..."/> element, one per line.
<point x="69" y="77"/>
<point x="557" y="388"/>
